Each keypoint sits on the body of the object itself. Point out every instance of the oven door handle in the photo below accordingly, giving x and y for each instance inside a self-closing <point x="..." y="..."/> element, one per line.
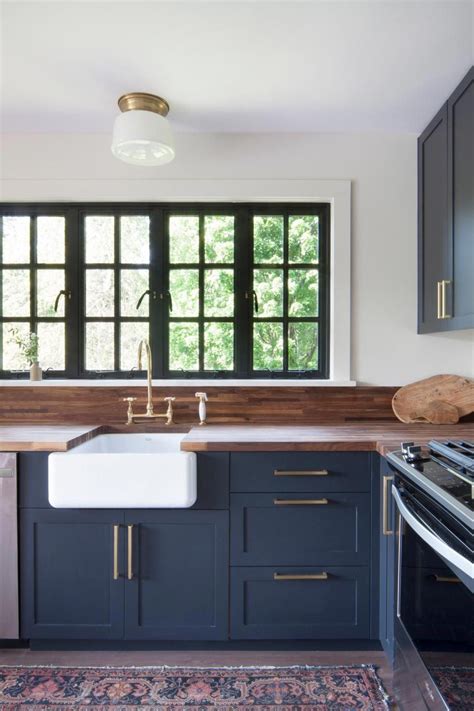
<point x="431" y="539"/>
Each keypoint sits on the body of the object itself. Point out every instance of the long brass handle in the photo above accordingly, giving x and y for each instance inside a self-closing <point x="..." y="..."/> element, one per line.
<point x="441" y="302"/>
<point x="299" y="502"/>
<point x="116" y="545"/>
<point x="445" y="579"/>
<point x="444" y="284"/>
<point x="312" y="576"/>
<point x="130" y="552"/>
<point x="313" y="472"/>
<point x="386" y="531"/>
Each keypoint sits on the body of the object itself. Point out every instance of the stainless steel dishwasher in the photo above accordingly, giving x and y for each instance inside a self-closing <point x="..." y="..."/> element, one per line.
<point x="9" y="614"/>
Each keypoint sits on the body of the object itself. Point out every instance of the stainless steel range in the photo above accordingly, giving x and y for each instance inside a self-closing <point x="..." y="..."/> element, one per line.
<point x="433" y="490"/>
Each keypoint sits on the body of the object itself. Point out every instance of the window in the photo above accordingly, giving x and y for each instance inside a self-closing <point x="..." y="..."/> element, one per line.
<point x="221" y="291"/>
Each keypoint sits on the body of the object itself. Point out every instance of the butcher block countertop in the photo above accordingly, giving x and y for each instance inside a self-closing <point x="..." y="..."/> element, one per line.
<point x="44" y="438"/>
<point x="381" y="438"/>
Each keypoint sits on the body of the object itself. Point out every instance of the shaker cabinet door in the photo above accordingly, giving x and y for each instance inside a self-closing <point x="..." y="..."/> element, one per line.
<point x="461" y="201"/>
<point x="177" y="575"/>
<point x="71" y="565"/>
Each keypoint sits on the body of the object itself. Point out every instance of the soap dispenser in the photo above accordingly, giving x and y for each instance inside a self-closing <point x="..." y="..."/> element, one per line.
<point x="202" y="407"/>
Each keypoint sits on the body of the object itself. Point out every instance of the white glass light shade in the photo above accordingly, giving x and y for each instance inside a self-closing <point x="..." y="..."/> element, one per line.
<point x="142" y="138"/>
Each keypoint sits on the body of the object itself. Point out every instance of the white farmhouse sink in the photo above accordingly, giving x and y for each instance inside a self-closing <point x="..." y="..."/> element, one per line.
<point x="123" y="471"/>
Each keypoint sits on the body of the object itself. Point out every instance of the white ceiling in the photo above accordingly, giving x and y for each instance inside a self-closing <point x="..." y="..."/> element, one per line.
<point x="254" y="66"/>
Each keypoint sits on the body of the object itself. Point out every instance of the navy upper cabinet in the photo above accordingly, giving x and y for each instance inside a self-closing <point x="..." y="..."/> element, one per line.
<point x="461" y="200"/>
<point x="70" y="566"/>
<point x="177" y="575"/>
<point x="446" y="215"/>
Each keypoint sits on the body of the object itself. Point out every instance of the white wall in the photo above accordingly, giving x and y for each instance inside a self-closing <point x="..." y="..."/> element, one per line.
<point x="385" y="347"/>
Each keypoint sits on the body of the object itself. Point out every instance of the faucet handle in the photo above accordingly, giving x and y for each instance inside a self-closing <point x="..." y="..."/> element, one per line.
<point x="169" y="411"/>
<point x="129" y="409"/>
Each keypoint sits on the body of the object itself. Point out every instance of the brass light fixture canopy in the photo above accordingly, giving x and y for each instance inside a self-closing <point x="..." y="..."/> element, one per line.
<point x="142" y="134"/>
<point x="141" y="101"/>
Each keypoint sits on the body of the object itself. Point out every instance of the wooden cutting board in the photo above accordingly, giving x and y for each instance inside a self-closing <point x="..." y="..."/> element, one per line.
<point x="440" y="400"/>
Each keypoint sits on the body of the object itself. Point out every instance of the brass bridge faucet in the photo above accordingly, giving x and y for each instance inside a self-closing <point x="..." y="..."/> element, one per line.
<point x="149" y="415"/>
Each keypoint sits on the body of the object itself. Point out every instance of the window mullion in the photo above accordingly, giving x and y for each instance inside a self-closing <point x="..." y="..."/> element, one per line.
<point x="158" y="286"/>
<point x="73" y="323"/>
<point x="243" y="286"/>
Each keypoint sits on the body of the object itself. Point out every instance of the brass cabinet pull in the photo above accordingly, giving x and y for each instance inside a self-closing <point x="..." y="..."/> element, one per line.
<point x="313" y="472"/>
<point x="386" y="531"/>
<point x="116" y="546"/>
<point x="310" y="576"/>
<point x="441" y="303"/>
<point x="130" y="552"/>
<point x="445" y="579"/>
<point x="299" y="502"/>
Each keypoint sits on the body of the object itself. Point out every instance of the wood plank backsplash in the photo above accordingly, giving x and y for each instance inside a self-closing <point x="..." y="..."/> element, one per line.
<point x="227" y="405"/>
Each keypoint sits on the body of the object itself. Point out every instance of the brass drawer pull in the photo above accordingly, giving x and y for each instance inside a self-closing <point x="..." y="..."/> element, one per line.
<point x="116" y="573"/>
<point x="386" y="531"/>
<point x="300" y="502"/>
<point x="313" y="472"/>
<point x="445" y="579"/>
<point x="130" y="552"/>
<point x="310" y="576"/>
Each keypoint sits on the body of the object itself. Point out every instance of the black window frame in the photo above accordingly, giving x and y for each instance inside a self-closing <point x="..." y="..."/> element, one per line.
<point x="159" y="266"/>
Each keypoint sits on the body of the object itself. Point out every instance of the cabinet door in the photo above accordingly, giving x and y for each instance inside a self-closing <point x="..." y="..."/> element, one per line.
<point x="387" y="563"/>
<point x="178" y="564"/>
<point x="68" y="590"/>
<point x="434" y="260"/>
<point x="461" y="201"/>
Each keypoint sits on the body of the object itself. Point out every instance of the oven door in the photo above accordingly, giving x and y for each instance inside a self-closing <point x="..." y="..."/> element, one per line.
<point x="434" y="660"/>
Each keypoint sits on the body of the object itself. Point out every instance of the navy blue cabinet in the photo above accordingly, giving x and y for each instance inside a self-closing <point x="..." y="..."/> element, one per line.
<point x="67" y="587"/>
<point x="300" y="529"/>
<point x="300" y="603"/>
<point x="178" y="564"/>
<point x="387" y="561"/>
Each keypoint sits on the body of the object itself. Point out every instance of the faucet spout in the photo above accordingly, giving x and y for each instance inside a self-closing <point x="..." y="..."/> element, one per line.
<point x="144" y="345"/>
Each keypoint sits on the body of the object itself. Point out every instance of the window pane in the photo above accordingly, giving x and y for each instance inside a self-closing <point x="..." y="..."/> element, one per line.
<point x="184" y="290"/>
<point x="52" y="351"/>
<point x="219" y="292"/>
<point x="302" y="346"/>
<point x="268" y="346"/>
<point x="218" y="346"/>
<point x="303" y="239"/>
<point x="99" y="292"/>
<point x="133" y="282"/>
<point x="131" y="333"/>
<point x="12" y="357"/>
<point x="49" y="283"/>
<point x="50" y="239"/>
<point x="303" y="292"/>
<point x="15" y="292"/>
<point x="184" y="346"/>
<point x="135" y="239"/>
<point x="184" y="239"/>
<point x="268" y="239"/>
<point x="219" y="238"/>
<point x="268" y="285"/>
<point x="99" y="239"/>
<point x="99" y="346"/>
<point x="16" y="240"/>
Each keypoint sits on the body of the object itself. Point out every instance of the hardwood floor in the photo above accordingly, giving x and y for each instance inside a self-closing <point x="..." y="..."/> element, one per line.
<point x="199" y="659"/>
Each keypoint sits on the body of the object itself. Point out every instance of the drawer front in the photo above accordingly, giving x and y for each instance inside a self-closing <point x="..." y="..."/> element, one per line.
<point x="300" y="471"/>
<point x="334" y="603"/>
<point x="300" y="529"/>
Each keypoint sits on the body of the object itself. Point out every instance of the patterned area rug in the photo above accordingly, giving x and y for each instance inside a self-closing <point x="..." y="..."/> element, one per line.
<point x="457" y="686"/>
<point x="171" y="688"/>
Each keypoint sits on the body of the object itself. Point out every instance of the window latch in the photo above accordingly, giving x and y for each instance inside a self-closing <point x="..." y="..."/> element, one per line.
<point x="64" y="292"/>
<point x="255" y="299"/>
<point x="148" y="292"/>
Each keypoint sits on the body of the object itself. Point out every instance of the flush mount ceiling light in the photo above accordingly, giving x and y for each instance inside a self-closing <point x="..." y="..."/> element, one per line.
<point x="141" y="134"/>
